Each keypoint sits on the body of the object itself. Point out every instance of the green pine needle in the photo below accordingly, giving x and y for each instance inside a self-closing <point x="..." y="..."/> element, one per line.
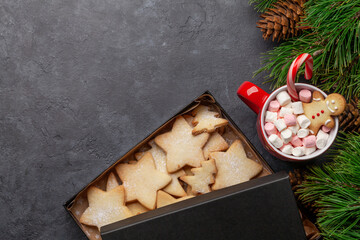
<point x="334" y="188"/>
<point x="262" y="5"/>
<point x="334" y="42"/>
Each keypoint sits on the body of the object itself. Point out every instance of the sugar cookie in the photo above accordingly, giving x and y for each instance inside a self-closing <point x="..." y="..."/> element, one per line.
<point x="206" y="121"/>
<point x="164" y="199"/>
<point x="136" y="208"/>
<point x="111" y="182"/>
<point x="181" y="146"/>
<point x="203" y="177"/>
<point x="189" y="119"/>
<point x="215" y="143"/>
<point x="233" y="166"/>
<point x="105" y="207"/>
<point x="159" y="156"/>
<point x="142" y="180"/>
<point x="188" y="172"/>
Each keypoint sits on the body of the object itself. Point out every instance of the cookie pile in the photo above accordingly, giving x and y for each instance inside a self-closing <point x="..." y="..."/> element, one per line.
<point x="192" y="158"/>
<point x="294" y="127"/>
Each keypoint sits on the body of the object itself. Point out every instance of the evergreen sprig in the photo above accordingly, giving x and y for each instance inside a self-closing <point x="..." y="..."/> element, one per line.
<point x="334" y="188"/>
<point x="334" y="42"/>
<point x="262" y="5"/>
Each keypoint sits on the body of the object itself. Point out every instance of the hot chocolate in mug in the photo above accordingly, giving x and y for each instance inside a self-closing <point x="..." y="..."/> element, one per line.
<point x="258" y="100"/>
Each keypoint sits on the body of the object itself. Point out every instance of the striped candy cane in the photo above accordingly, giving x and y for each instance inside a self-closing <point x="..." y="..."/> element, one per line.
<point x="291" y="76"/>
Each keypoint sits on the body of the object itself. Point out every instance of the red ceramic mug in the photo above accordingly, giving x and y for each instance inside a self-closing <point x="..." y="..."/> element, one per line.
<point x="258" y="100"/>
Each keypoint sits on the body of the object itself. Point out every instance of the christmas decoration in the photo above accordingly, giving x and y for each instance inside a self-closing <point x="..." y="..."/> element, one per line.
<point x="334" y="190"/>
<point x="350" y="118"/>
<point x="312" y="233"/>
<point x="296" y="179"/>
<point x="281" y="19"/>
<point x="294" y="67"/>
<point x="332" y="37"/>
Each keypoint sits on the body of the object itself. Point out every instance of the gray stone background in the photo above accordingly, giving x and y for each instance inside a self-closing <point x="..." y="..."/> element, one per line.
<point x="81" y="82"/>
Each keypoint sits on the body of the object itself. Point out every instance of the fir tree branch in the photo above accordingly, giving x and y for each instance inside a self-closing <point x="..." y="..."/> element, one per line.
<point x="334" y="189"/>
<point x="336" y="22"/>
<point x="262" y="5"/>
<point x="335" y="35"/>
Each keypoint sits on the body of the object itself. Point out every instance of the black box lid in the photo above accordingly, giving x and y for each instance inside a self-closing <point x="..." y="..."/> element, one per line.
<point x="263" y="208"/>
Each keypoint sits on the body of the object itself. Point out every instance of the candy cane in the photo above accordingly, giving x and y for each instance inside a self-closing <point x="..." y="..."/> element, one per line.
<point x="291" y="76"/>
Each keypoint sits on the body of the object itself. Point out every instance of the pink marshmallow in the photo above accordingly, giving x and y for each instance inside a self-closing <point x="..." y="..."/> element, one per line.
<point x="325" y="129"/>
<point x="290" y="119"/>
<point x="305" y="95"/>
<point x="270" y="128"/>
<point x="274" y="106"/>
<point x="296" y="141"/>
<point x="309" y="141"/>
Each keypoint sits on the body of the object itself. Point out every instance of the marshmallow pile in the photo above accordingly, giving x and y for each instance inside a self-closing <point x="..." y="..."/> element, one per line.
<point x="287" y="126"/>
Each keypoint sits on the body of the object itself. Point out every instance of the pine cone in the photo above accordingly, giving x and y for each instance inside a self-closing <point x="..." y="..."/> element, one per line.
<point x="350" y="118"/>
<point x="296" y="179"/>
<point x="312" y="232"/>
<point x="281" y="19"/>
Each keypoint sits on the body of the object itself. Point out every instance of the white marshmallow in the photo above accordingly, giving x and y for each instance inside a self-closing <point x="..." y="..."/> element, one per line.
<point x="286" y="135"/>
<point x="287" y="149"/>
<point x="310" y="150"/>
<point x="270" y="116"/>
<point x="303" y="133"/>
<point x="294" y="129"/>
<point x="280" y="124"/>
<point x="283" y="98"/>
<point x="303" y="121"/>
<point x="289" y="105"/>
<point x="276" y="141"/>
<point x="298" y="151"/>
<point x="297" y="107"/>
<point x="321" y="139"/>
<point x="285" y="110"/>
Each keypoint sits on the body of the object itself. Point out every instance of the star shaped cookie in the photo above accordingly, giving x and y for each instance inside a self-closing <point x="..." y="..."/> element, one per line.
<point x="105" y="207"/>
<point x="216" y="143"/>
<point x="206" y="121"/>
<point x="233" y="166"/>
<point x="136" y="208"/>
<point x="164" y="199"/>
<point x="111" y="182"/>
<point x="181" y="146"/>
<point x="202" y="178"/>
<point x="174" y="188"/>
<point x="141" y="180"/>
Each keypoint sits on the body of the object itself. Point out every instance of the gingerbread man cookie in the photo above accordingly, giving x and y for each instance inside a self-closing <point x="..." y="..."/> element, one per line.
<point x="320" y="110"/>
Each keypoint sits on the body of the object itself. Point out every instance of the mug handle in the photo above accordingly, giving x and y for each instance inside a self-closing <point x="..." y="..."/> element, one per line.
<point x="252" y="95"/>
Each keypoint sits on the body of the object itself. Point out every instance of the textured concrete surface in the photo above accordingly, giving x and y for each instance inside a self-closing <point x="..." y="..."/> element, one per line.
<point x="81" y="82"/>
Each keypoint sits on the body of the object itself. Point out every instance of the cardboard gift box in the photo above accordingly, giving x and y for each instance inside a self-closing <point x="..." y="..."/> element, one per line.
<point x="262" y="208"/>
